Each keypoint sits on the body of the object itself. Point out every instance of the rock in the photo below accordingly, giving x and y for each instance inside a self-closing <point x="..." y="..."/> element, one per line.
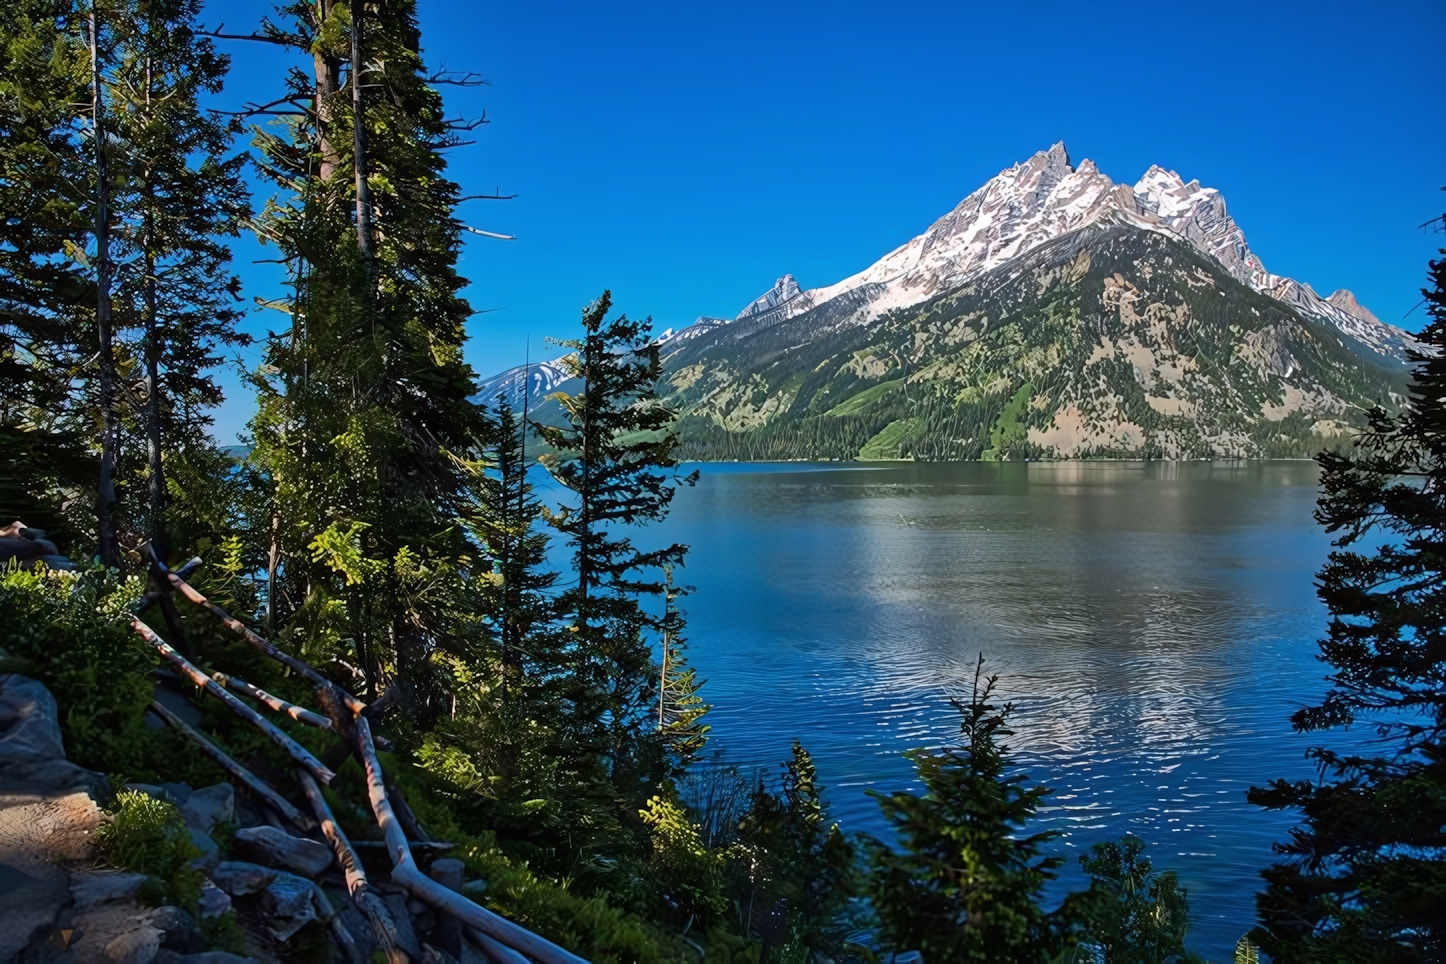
<point x="36" y="834"/>
<point x="32" y="756"/>
<point x="105" y="887"/>
<point x="178" y="793"/>
<point x="214" y="901"/>
<point x="137" y="945"/>
<point x="179" y="928"/>
<point x="290" y="905"/>
<point x="209" y="806"/>
<point x="277" y="848"/>
<point x="210" y="853"/>
<point x="238" y="878"/>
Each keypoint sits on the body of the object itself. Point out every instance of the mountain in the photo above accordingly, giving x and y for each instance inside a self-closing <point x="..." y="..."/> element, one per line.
<point x="1052" y="314"/>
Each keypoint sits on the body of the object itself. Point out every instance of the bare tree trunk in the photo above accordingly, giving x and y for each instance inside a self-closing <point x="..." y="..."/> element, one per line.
<point x="105" y="356"/>
<point x="327" y="72"/>
<point x="359" y="139"/>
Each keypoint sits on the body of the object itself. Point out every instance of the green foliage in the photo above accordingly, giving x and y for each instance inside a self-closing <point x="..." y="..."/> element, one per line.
<point x="968" y="882"/>
<point x="1133" y="914"/>
<point x="1245" y="952"/>
<point x="148" y="836"/>
<point x="690" y="875"/>
<point x="680" y="708"/>
<point x="785" y="849"/>
<point x="70" y="632"/>
<point x="1363" y="878"/>
<point x="366" y="439"/>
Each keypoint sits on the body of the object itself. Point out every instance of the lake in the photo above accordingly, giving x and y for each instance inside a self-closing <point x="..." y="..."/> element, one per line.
<point x="1154" y="624"/>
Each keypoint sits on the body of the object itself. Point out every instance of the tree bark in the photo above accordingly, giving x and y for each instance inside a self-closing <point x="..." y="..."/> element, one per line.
<point x="359" y="139"/>
<point x="357" y="884"/>
<point x="105" y="356"/>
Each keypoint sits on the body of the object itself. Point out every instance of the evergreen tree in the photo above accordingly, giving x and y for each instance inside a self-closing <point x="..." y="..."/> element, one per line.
<point x="46" y="297"/>
<point x="616" y="454"/>
<point x="365" y="428"/>
<point x="1133" y="914"/>
<point x="680" y="708"/>
<point x="787" y="850"/>
<point x="1364" y="877"/>
<point x="519" y="604"/>
<point x="178" y="192"/>
<point x="969" y="881"/>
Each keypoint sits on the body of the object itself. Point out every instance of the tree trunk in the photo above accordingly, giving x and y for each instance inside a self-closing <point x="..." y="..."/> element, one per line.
<point x="359" y="140"/>
<point x="105" y="355"/>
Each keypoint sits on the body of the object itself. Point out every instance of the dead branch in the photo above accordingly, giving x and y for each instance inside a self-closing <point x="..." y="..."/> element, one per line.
<point x="457" y="78"/>
<point x="495" y="196"/>
<point x="357" y="884"/>
<point x="252" y="781"/>
<point x="270" y="649"/>
<point x="490" y="234"/>
<point x="297" y="752"/>
<point x="406" y="873"/>
<point x="297" y="713"/>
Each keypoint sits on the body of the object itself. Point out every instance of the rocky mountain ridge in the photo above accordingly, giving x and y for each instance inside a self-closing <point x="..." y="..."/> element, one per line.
<point x="1028" y="252"/>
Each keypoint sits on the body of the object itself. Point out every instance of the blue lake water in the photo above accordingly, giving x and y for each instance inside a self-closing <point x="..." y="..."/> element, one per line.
<point x="1154" y="624"/>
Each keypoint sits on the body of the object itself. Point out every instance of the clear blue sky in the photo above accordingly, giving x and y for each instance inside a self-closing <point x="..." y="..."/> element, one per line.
<point x="685" y="155"/>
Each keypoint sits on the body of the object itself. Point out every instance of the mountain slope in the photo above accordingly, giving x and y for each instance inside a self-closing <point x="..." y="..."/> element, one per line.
<point x="1108" y="342"/>
<point x="1051" y="314"/>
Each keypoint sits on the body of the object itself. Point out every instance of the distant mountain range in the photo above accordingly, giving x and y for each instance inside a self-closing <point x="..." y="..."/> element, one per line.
<point x="1052" y="314"/>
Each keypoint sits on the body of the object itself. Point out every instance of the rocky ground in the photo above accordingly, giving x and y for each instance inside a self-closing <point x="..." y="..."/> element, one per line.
<point x="59" y="901"/>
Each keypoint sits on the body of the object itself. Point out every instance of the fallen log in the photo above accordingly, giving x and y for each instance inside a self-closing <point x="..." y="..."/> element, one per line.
<point x="357" y="885"/>
<point x="297" y="713"/>
<point x="297" y="752"/>
<point x="406" y="874"/>
<point x="253" y="782"/>
<point x="269" y="648"/>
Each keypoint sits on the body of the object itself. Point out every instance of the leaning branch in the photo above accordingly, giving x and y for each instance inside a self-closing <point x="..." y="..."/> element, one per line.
<point x="297" y="713"/>
<point x="490" y="234"/>
<point x="282" y="805"/>
<point x="297" y="752"/>
<point x="357" y="885"/>
<point x="270" y="649"/>
<point x="406" y="874"/>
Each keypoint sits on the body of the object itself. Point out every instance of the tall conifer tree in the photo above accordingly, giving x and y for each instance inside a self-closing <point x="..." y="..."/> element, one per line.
<point x="616" y="454"/>
<point x="1364" y="877"/>
<point x="366" y="426"/>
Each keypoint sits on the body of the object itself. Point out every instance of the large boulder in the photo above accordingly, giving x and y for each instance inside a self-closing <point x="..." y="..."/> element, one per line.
<point x="209" y="806"/>
<point x="32" y="756"/>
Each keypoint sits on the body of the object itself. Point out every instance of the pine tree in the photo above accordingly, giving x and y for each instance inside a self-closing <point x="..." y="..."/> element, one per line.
<point x="968" y="883"/>
<point x="1364" y="876"/>
<point x="178" y="192"/>
<point x="1133" y="914"/>
<point x="46" y="332"/>
<point x="788" y="850"/>
<point x="366" y="430"/>
<point x="616" y="454"/>
<point x="680" y="708"/>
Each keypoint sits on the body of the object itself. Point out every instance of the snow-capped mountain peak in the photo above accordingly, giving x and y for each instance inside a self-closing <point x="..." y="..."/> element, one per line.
<point x="784" y="290"/>
<point x="1042" y="198"/>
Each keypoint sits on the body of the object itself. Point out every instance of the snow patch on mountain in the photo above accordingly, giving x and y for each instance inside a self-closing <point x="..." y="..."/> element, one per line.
<point x="535" y="380"/>
<point x="1043" y="198"/>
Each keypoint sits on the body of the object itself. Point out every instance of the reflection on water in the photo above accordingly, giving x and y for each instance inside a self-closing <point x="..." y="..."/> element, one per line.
<point x="1153" y="623"/>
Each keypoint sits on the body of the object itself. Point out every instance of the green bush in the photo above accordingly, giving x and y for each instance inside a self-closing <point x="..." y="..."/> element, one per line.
<point x="148" y="836"/>
<point x="70" y="632"/>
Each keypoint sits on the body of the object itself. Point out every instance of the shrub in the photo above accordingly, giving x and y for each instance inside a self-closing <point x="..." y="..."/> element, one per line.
<point x="148" y="836"/>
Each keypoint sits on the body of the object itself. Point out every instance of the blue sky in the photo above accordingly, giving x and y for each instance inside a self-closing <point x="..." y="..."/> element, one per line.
<point x="685" y="155"/>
